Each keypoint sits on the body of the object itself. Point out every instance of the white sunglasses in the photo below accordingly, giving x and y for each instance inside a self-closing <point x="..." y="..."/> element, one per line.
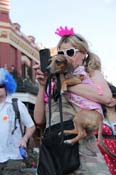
<point x="69" y="52"/>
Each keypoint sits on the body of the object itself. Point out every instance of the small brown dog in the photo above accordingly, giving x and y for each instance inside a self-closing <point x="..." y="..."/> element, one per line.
<point x="85" y="121"/>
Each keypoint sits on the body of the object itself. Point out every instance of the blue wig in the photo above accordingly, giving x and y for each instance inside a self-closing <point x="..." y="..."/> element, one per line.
<point x="8" y="81"/>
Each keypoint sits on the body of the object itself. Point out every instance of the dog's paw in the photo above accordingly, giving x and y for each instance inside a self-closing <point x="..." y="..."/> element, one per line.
<point x="68" y="142"/>
<point x="62" y="91"/>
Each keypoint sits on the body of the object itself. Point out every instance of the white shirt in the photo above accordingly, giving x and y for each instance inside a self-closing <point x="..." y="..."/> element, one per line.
<point x="9" y="148"/>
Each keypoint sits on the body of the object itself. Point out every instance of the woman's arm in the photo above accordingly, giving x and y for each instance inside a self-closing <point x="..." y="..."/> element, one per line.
<point x="91" y="93"/>
<point x="39" y="109"/>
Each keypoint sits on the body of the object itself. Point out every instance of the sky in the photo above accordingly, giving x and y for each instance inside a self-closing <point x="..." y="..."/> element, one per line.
<point x="94" y="19"/>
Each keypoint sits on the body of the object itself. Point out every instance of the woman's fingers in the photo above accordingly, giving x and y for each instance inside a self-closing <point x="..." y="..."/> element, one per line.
<point x="36" y="66"/>
<point x="40" y="76"/>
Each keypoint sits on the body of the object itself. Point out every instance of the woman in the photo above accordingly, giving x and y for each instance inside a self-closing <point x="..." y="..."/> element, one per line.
<point x="109" y="132"/>
<point x="76" y="49"/>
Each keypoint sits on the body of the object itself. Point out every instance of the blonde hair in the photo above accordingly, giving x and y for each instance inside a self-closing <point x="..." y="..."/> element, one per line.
<point x="76" y="41"/>
<point x="92" y="61"/>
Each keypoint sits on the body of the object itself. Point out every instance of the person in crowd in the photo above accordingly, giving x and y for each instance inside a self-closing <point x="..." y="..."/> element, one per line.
<point x="11" y="137"/>
<point x="76" y="48"/>
<point x="13" y="72"/>
<point x="109" y="131"/>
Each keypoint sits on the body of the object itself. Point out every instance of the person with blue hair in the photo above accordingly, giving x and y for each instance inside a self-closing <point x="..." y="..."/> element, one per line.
<point x="11" y="139"/>
<point x="7" y="81"/>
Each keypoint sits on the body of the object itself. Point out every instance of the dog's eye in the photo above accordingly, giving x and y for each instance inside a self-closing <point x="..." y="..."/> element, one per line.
<point x="57" y="61"/>
<point x="49" y="61"/>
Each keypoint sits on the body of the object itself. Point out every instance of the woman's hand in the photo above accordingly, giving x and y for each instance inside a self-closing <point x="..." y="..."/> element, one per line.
<point x="39" y="110"/>
<point x="40" y="76"/>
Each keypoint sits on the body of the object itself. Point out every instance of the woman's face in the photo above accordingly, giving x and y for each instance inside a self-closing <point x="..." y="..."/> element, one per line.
<point x="73" y="54"/>
<point x="2" y="91"/>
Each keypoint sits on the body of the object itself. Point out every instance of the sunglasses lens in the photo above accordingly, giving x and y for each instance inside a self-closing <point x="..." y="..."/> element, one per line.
<point x="60" y="53"/>
<point x="70" y="52"/>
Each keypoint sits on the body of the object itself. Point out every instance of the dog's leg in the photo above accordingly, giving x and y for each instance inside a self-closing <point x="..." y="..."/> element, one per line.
<point x="81" y="134"/>
<point x="85" y="122"/>
<point x="70" y="82"/>
<point x="64" y="86"/>
<point x="78" y="129"/>
<point x="71" y="131"/>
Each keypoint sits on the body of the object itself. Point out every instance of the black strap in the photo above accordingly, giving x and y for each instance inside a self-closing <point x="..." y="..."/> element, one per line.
<point x="17" y="115"/>
<point x="49" y="103"/>
<point x="57" y="97"/>
<point x="60" y="106"/>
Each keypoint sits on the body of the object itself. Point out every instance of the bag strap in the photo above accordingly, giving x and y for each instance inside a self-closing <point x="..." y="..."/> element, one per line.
<point x="57" y="97"/>
<point x="60" y="107"/>
<point x="17" y="115"/>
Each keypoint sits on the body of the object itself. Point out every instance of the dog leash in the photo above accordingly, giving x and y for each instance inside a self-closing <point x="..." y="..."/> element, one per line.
<point x="56" y="96"/>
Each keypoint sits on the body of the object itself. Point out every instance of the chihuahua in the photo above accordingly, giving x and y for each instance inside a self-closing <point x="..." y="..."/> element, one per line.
<point x="86" y="121"/>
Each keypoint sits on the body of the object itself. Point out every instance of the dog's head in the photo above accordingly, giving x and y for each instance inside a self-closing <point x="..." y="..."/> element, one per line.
<point x="59" y="64"/>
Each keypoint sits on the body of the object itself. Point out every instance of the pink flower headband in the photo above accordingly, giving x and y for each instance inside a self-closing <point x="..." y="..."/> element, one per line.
<point x="64" y="31"/>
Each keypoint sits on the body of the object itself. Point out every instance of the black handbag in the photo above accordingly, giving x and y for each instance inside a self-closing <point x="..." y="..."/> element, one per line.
<point x="57" y="157"/>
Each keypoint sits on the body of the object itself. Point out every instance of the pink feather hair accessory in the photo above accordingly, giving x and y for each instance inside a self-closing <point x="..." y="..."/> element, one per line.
<point x="64" y="31"/>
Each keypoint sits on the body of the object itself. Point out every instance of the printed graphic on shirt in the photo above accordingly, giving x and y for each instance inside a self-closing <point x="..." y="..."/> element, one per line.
<point x="5" y="118"/>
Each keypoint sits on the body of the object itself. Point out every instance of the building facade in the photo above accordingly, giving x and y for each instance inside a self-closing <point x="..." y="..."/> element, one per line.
<point x="18" y="53"/>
